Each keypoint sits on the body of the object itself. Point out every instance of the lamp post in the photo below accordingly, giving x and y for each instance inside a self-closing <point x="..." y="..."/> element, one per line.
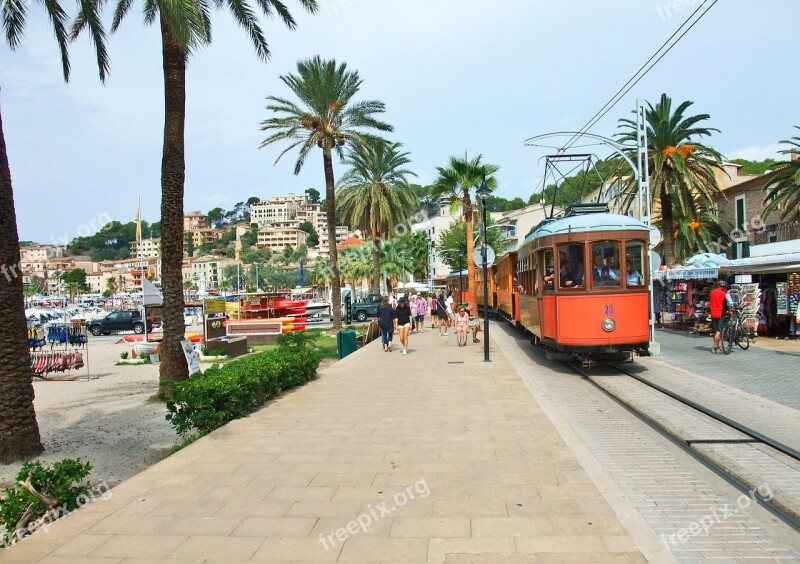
<point x="483" y="193"/>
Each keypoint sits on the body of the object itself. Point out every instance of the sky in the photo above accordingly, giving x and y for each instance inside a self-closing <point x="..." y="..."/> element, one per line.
<point x="455" y="75"/>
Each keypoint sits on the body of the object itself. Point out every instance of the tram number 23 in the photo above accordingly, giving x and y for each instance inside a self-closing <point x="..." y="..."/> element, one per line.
<point x="608" y="310"/>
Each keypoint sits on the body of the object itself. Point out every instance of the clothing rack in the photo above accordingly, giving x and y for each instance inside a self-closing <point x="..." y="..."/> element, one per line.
<point x="59" y="348"/>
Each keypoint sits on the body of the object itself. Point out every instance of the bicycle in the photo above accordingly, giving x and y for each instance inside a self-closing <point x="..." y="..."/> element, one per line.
<point x="734" y="332"/>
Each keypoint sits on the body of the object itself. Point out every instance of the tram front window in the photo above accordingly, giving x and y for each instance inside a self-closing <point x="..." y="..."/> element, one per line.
<point x="605" y="264"/>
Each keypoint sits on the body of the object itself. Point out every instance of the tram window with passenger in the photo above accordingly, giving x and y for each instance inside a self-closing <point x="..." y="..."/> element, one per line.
<point x="634" y="261"/>
<point x="571" y="268"/>
<point x="548" y="270"/>
<point x="605" y="264"/>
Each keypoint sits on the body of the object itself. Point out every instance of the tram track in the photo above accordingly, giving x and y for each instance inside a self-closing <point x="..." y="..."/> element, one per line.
<point x="744" y="457"/>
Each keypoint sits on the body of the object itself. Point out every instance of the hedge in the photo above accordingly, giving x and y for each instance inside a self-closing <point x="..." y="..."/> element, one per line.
<point x="223" y="393"/>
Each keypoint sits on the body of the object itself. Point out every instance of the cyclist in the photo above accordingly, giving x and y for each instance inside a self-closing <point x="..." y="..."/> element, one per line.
<point x="720" y="301"/>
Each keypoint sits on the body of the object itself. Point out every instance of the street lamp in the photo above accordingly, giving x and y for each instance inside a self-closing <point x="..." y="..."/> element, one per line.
<point x="483" y="193"/>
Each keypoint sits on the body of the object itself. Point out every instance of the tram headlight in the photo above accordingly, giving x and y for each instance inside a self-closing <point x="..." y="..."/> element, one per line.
<point x="609" y="325"/>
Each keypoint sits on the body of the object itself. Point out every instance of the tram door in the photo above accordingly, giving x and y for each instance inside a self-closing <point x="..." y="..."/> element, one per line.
<point x="547" y="294"/>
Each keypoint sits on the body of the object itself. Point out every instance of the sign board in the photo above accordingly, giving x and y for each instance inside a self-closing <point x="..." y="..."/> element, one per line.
<point x="743" y="279"/>
<point x="192" y="358"/>
<point x="782" y="298"/>
<point x="655" y="261"/>
<point x="213" y="306"/>
<point x="655" y="237"/>
<point x="477" y="256"/>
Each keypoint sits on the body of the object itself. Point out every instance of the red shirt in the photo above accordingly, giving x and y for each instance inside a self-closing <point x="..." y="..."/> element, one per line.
<point x="717" y="299"/>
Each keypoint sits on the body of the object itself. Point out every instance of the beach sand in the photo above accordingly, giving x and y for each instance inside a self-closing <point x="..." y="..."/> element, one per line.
<point x="107" y="420"/>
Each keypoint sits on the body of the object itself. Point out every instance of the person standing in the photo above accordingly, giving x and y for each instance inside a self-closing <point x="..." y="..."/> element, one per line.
<point x="432" y="311"/>
<point x="451" y="309"/>
<point x="441" y="312"/>
<point x="717" y="300"/>
<point x="422" y="305"/>
<point x="402" y="321"/>
<point x="386" y="323"/>
<point x="412" y="305"/>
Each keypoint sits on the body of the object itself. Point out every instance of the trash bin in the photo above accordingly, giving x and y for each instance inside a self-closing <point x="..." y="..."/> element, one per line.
<point x="345" y="343"/>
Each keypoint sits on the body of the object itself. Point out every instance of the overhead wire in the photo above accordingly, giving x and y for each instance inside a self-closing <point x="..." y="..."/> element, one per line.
<point x="642" y="71"/>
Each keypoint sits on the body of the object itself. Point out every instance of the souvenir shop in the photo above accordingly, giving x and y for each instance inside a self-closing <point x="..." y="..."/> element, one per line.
<point x="765" y="289"/>
<point x="681" y="298"/>
<point x="59" y="350"/>
<point x="777" y="280"/>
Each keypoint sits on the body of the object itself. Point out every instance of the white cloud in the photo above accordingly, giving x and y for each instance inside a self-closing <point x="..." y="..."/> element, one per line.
<point x="757" y="153"/>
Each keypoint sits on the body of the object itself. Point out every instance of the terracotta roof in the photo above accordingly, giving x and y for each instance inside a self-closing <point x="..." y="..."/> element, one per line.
<point x="350" y="242"/>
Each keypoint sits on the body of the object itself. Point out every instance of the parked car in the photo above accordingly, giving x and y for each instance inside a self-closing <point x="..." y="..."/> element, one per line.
<point x="119" y="320"/>
<point x="368" y="308"/>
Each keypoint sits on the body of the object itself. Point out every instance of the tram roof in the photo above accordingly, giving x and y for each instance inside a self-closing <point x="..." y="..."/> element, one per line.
<point x="586" y="223"/>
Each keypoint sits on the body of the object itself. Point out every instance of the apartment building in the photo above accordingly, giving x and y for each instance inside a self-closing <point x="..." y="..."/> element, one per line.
<point x="195" y="220"/>
<point x="279" y="208"/>
<point x="40" y="253"/>
<point x="149" y="248"/>
<point x="278" y="238"/>
<point x="206" y="272"/>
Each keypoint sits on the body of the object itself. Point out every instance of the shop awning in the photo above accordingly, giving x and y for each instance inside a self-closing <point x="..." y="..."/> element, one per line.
<point x="685" y="274"/>
<point x="768" y="264"/>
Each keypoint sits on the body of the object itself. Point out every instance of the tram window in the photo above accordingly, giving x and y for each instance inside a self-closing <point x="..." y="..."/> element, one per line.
<point x="548" y="271"/>
<point x="605" y="264"/>
<point x="571" y="271"/>
<point x="634" y="263"/>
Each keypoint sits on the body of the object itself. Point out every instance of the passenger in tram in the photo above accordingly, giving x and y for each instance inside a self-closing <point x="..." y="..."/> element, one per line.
<point x="602" y="274"/>
<point x="576" y="270"/>
<point x="632" y="275"/>
<point x="564" y="277"/>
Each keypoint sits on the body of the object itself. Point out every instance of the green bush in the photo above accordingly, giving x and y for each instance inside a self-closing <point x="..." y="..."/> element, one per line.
<point x="62" y="483"/>
<point x="223" y="393"/>
<point x="216" y="352"/>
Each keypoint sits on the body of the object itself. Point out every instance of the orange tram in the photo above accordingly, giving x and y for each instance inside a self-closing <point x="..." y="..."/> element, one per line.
<point x="578" y="285"/>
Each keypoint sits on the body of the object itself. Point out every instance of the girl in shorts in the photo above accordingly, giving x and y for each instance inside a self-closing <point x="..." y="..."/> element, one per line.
<point x="462" y="327"/>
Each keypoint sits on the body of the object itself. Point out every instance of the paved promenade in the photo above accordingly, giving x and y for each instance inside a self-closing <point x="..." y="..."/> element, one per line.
<point x="761" y="371"/>
<point x="432" y="457"/>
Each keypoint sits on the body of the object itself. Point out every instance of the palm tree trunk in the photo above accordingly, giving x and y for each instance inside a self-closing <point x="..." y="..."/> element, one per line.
<point x="19" y="432"/>
<point x="375" y="285"/>
<point x="173" y="361"/>
<point x="330" y="212"/>
<point x="471" y="282"/>
<point x="667" y="229"/>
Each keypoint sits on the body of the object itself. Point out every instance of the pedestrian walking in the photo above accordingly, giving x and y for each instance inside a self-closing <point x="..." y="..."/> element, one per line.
<point x="402" y="321"/>
<point x="432" y="311"/>
<point x="386" y="323"/>
<point x="412" y="305"/>
<point x="422" y="305"/>
<point x="441" y="312"/>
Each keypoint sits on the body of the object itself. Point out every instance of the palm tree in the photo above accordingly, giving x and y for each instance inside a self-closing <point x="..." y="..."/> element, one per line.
<point x="320" y="275"/>
<point x="784" y="192"/>
<point x="326" y="118"/>
<point x="111" y="286"/>
<point x="374" y="194"/>
<point x="705" y="233"/>
<point x="457" y="180"/>
<point x="186" y="26"/>
<point x="393" y="263"/>
<point x="682" y="180"/>
<point x="355" y="264"/>
<point x="19" y="431"/>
